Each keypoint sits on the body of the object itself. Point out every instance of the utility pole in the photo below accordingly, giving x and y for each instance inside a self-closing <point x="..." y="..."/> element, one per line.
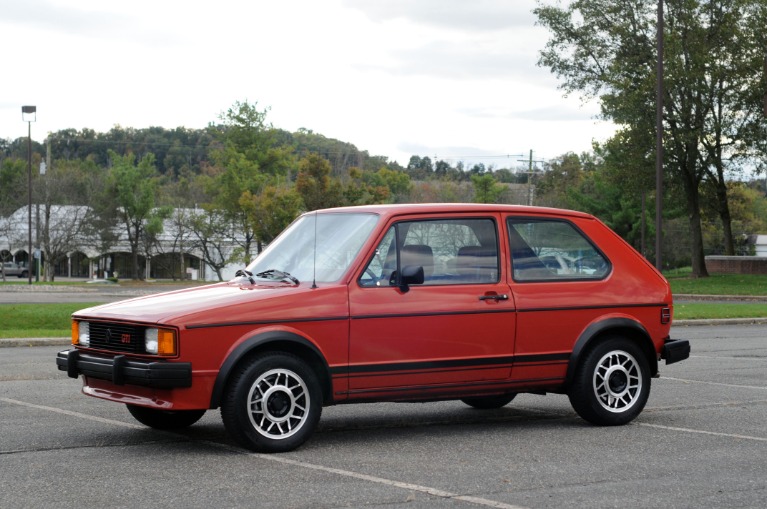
<point x="659" y="145"/>
<point x="530" y="189"/>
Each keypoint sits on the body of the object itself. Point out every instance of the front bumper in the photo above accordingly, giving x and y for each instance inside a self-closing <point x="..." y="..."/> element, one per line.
<point x="123" y="371"/>
<point x="675" y="350"/>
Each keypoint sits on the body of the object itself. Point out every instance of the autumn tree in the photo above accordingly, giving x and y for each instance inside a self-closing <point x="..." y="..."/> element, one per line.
<point x="316" y="186"/>
<point x="271" y="211"/>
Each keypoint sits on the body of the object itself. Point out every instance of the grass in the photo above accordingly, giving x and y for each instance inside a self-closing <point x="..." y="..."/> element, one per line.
<point x="53" y="320"/>
<point x="38" y="320"/>
<point x="717" y="310"/>
<point x="9" y="281"/>
<point x="718" y="284"/>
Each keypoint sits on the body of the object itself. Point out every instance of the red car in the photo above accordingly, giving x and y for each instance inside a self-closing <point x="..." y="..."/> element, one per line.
<point x="390" y="303"/>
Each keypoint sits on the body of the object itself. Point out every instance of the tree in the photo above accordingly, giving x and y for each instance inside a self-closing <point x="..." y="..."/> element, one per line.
<point x="249" y="160"/>
<point x="212" y="235"/>
<point x="64" y="195"/>
<point x="564" y="174"/>
<point x="133" y="187"/>
<point x="397" y="182"/>
<point x="272" y="211"/>
<point x="486" y="189"/>
<point x="13" y="185"/>
<point x="315" y="185"/>
<point x="735" y="89"/>
<point x="606" y="48"/>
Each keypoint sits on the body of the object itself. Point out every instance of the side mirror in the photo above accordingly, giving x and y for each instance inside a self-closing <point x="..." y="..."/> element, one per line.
<point x="411" y="275"/>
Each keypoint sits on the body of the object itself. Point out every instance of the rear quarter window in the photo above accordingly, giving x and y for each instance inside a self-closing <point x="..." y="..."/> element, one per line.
<point x="553" y="250"/>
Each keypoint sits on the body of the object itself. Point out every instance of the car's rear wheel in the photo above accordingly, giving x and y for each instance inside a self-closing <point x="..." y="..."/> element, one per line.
<point x="489" y="402"/>
<point x="273" y="403"/>
<point x="612" y="383"/>
<point x="165" y="419"/>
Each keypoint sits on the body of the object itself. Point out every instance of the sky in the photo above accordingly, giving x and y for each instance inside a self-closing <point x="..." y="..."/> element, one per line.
<point x="450" y="79"/>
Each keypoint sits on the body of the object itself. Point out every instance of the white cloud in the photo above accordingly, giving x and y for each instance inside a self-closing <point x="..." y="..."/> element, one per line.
<point x="475" y="15"/>
<point x="392" y="77"/>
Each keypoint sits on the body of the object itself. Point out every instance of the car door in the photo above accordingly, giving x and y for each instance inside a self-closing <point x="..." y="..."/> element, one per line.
<point x="456" y="327"/>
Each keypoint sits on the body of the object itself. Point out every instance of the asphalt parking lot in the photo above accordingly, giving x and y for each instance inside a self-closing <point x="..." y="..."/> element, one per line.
<point x="701" y="442"/>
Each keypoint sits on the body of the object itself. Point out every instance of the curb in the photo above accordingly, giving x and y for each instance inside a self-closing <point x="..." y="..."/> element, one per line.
<point x="733" y="298"/>
<point x="22" y="342"/>
<point x="720" y="321"/>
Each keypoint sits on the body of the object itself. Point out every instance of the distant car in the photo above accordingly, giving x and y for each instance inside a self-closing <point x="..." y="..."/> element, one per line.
<point x="390" y="303"/>
<point x="13" y="269"/>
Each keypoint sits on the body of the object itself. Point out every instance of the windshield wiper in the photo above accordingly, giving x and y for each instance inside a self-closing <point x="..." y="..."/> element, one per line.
<point x="247" y="274"/>
<point x="277" y="274"/>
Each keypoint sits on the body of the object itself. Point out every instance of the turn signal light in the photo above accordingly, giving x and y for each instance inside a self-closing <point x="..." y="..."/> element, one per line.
<point x="160" y="342"/>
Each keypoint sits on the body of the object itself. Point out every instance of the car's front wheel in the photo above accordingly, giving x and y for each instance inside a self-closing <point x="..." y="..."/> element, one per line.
<point x="612" y="383"/>
<point x="273" y="403"/>
<point x="165" y="419"/>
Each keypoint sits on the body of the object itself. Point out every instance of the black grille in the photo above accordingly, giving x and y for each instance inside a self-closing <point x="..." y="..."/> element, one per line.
<point x="117" y="337"/>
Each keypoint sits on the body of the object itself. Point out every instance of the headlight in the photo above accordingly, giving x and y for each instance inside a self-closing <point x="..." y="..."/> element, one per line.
<point x="160" y="341"/>
<point x="81" y="333"/>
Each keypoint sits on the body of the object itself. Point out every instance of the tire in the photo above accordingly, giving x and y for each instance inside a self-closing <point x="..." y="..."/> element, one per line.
<point x="489" y="402"/>
<point x="165" y="419"/>
<point x="612" y="383"/>
<point x="24" y="274"/>
<point x="272" y="404"/>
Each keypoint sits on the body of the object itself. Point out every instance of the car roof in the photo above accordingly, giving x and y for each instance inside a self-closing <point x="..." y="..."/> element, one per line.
<point x="436" y="208"/>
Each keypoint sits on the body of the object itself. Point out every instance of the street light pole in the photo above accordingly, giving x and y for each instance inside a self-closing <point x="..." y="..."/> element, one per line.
<point x="29" y="115"/>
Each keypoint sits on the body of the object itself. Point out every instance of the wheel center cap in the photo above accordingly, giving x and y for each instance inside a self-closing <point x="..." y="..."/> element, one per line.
<point x="617" y="381"/>
<point x="277" y="404"/>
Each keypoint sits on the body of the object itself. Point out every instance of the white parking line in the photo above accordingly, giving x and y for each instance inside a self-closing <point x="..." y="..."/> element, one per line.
<point x="700" y="431"/>
<point x="346" y="473"/>
<point x="388" y="482"/>
<point x="760" y="387"/>
<point x="73" y="414"/>
<point x="732" y="358"/>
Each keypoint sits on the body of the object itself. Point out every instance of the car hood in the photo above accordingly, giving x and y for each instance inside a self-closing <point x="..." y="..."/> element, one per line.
<point x="218" y="303"/>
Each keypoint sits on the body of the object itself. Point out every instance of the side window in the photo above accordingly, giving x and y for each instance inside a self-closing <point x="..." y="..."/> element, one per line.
<point x="543" y="250"/>
<point x="451" y="251"/>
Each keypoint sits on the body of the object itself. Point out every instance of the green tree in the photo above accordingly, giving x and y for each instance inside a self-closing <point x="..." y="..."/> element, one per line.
<point x="398" y="182"/>
<point x="564" y="174"/>
<point x="13" y="184"/>
<point x="249" y="159"/>
<point x="606" y="48"/>
<point x="132" y="189"/>
<point x="486" y="189"/>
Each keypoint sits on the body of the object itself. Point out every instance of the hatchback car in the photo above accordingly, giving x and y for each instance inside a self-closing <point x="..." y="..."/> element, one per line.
<point x="390" y="303"/>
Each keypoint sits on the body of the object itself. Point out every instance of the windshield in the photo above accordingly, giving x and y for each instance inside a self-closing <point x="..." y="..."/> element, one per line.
<point x="339" y="238"/>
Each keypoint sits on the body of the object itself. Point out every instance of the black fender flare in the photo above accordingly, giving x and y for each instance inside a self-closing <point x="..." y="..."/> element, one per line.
<point x="274" y="338"/>
<point x="636" y="330"/>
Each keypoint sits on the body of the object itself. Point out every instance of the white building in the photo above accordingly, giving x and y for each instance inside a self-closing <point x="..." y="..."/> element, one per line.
<point x="175" y="255"/>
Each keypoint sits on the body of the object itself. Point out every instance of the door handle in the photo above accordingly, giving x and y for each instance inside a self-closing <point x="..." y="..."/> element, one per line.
<point x="495" y="297"/>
